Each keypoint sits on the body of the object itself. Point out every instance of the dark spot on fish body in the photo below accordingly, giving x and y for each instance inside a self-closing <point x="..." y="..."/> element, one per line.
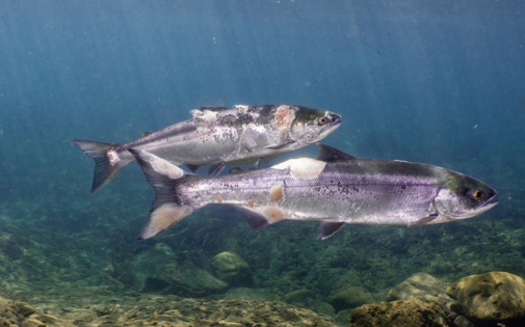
<point x="247" y="119"/>
<point x="229" y="120"/>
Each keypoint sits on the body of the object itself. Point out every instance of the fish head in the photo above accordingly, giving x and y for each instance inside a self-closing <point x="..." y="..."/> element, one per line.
<point x="312" y="125"/>
<point x="463" y="197"/>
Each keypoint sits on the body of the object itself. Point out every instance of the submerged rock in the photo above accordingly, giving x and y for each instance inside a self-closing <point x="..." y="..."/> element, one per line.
<point x="308" y="299"/>
<point x="250" y="294"/>
<point x="20" y="314"/>
<point x="495" y="296"/>
<point x="350" y="297"/>
<point x="422" y="286"/>
<point x="184" y="279"/>
<point x="169" y="310"/>
<point x="231" y="268"/>
<point x="409" y="313"/>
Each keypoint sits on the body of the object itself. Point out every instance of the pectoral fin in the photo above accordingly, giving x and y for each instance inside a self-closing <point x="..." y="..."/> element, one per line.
<point x="424" y="220"/>
<point x="328" y="229"/>
<point x="278" y="146"/>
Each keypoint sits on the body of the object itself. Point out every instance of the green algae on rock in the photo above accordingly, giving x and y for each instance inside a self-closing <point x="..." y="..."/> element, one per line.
<point x="308" y="299"/>
<point x="409" y="313"/>
<point x="422" y="286"/>
<point x="231" y="268"/>
<point x="494" y="296"/>
<point x="21" y="314"/>
<point x="350" y="297"/>
<point x="170" y="310"/>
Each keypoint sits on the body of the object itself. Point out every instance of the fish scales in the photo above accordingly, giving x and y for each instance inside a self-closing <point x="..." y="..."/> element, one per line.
<point x="334" y="189"/>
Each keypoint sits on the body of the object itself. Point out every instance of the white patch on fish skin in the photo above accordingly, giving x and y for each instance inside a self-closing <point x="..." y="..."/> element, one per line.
<point x="251" y="136"/>
<point x="303" y="168"/>
<point x="113" y="157"/>
<point x="243" y="108"/>
<point x="204" y="119"/>
<point x="282" y="120"/>
<point x="277" y="191"/>
<point x="162" y="166"/>
<point x="274" y="213"/>
<point x="163" y="218"/>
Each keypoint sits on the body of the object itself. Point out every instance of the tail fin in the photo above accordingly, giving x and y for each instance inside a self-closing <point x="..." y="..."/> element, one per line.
<point x="169" y="206"/>
<point x="105" y="169"/>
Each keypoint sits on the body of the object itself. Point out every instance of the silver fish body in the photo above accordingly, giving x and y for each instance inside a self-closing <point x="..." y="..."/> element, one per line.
<point x="217" y="136"/>
<point x="335" y="189"/>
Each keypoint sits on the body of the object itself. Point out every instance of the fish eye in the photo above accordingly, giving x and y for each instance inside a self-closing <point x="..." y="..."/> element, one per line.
<point x="323" y="120"/>
<point x="478" y="194"/>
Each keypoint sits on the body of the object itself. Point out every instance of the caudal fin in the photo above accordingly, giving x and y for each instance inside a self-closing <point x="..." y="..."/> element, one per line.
<point x="169" y="206"/>
<point x="105" y="169"/>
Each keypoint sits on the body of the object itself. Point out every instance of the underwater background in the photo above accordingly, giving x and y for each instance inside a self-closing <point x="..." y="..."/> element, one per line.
<point x="438" y="82"/>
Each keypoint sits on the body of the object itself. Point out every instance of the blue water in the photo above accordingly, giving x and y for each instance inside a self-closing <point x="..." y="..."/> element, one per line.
<point x="440" y="82"/>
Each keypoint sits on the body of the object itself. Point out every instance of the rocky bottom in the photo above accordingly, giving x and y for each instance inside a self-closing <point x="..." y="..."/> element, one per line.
<point x="491" y="299"/>
<point x="156" y="311"/>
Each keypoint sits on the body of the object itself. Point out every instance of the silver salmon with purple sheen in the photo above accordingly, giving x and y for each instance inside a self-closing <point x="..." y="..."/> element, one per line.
<point x="335" y="189"/>
<point x="218" y="136"/>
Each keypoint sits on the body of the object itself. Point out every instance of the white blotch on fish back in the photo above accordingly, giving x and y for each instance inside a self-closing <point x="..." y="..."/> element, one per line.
<point x="204" y="119"/>
<point x="277" y="191"/>
<point x="303" y="168"/>
<point x="162" y="166"/>
<point x="242" y="108"/>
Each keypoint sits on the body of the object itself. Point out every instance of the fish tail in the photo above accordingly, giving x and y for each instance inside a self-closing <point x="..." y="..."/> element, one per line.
<point x="105" y="167"/>
<point x="170" y="205"/>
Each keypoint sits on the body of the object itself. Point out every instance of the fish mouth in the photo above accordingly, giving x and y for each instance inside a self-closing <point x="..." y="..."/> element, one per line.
<point x="489" y="204"/>
<point x="331" y="127"/>
<point x="478" y="210"/>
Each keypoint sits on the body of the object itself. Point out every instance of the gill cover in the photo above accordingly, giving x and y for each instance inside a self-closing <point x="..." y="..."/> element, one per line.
<point x="464" y="197"/>
<point x="311" y="125"/>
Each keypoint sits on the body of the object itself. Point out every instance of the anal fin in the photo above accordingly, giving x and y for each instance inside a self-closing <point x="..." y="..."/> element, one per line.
<point x="327" y="229"/>
<point x="278" y="146"/>
<point x="193" y="168"/>
<point x="256" y="220"/>
<point x="217" y="167"/>
<point x="255" y="165"/>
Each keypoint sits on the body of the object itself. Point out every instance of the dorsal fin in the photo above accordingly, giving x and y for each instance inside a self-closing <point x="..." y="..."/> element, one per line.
<point x="144" y="134"/>
<point x="329" y="154"/>
<point x="211" y="108"/>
